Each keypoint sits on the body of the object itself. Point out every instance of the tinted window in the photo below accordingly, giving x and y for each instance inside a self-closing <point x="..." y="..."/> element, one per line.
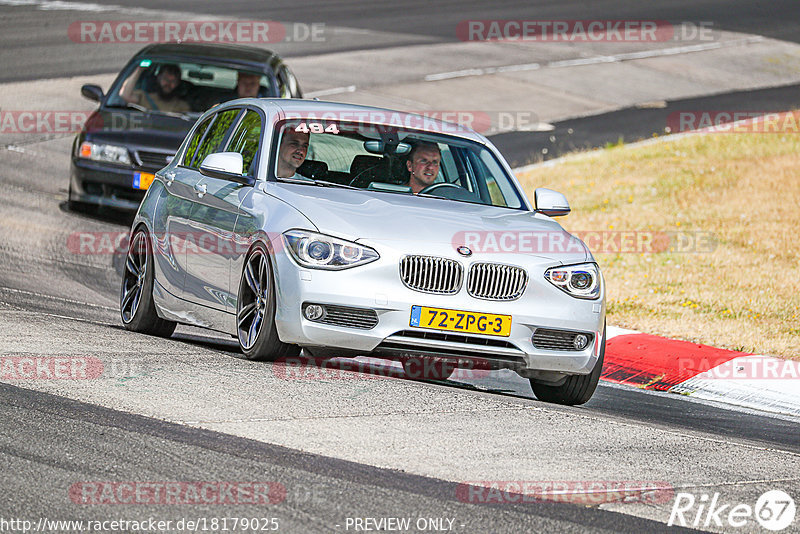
<point x="216" y="135"/>
<point x="194" y="141"/>
<point x="245" y="140"/>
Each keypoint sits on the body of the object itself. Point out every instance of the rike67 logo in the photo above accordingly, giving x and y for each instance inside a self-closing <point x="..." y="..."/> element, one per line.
<point x="774" y="510"/>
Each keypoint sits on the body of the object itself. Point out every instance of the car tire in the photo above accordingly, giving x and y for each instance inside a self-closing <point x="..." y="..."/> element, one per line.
<point x="577" y="389"/>
<point x="255" y="311"/>
<point x="80" y="207"/>
<point x="324" y="353"/>
<point x="136" y="306"/>
<point x="71" y="204"/>
<point x="428" y="368"/>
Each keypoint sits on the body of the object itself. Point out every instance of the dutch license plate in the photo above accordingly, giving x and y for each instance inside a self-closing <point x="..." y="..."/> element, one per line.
<point x="489" y="324"/>
<point x="142" y="180"/>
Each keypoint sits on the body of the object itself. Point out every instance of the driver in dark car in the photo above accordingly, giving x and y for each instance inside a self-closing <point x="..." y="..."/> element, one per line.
<point x="423" y="165"/>
<point x="164" y="98"/>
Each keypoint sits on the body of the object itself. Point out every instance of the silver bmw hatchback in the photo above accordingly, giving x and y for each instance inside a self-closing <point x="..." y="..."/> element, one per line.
<point x="346" y="230"/>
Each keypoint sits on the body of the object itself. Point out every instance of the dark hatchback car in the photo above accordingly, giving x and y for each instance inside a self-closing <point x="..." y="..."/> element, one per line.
<point x="150" y="108"/>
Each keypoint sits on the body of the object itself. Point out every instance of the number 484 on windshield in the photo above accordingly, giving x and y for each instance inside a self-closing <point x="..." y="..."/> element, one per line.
<point x="316" y="127"/>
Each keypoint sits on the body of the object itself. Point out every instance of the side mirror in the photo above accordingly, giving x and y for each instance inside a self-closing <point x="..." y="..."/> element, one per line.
<point x="550" y="203"/>
<point x="92" y="92"/>
<point x="224" y="165"/>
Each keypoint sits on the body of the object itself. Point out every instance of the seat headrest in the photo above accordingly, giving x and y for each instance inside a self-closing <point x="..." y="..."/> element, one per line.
<point x="313" y="169"/>
<point x="362" y="162"/>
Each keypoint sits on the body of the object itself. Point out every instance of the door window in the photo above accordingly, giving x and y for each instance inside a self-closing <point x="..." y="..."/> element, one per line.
<point x="195" y="140"/>
<point x="245" y="140"/>
<point x="216" y="135"/>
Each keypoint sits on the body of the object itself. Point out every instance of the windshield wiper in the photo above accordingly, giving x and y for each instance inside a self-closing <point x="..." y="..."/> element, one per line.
<point x="296" y="181"/>
<point x="320" y="183"/>
<point x="129" y="105"/>
<point x="476" y="200"/>
<point x="125" y="105"/>
<point x="324" y="183"/>
<point x="180" y="114"/>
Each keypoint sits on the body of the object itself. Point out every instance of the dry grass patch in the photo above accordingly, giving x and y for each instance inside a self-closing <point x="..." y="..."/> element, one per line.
<point x="743" y="189"/>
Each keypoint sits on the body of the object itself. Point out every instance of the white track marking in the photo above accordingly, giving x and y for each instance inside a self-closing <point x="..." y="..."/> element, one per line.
<point x="57" y="5"/>
<point x="51" y="297"/>
<point x="331" y="91"/>
<point x="595" y="60"/>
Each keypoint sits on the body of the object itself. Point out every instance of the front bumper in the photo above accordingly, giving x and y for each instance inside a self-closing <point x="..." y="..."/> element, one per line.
<point x="104" y="185"/>
<point x="377" y="286"/>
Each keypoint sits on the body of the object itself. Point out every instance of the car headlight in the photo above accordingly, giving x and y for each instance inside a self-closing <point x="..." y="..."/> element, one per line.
<point x="581" y="281"/>
<point x="107" y="153"/>
<point x="319" y="251"/>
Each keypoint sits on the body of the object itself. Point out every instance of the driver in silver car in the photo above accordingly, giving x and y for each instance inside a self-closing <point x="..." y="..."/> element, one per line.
<point x="291" y="154"/>
<point x="423" y="165"/>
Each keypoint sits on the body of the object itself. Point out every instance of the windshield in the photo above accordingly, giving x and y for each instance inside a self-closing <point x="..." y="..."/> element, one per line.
<point x="392" y="160"/>
<point x="178" y="87"/>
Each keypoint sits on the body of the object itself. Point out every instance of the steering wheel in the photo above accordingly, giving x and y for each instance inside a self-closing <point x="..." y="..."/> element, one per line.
<point x="355" y="181"/>
<point x="450" y="192"/>
<point x="433" y="187"/>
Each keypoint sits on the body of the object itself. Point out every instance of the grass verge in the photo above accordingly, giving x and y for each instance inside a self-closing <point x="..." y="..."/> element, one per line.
<point x="736" y="195"/>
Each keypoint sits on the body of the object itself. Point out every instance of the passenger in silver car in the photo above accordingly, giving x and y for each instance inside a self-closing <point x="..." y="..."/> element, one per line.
<point x="291" y="154"/>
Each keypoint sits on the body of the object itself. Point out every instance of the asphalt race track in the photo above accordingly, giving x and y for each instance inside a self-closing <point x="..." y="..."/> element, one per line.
<point x="192" y="409"/>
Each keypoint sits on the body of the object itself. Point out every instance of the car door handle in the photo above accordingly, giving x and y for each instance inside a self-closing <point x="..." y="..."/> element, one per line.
<point x="200" y="189"/>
